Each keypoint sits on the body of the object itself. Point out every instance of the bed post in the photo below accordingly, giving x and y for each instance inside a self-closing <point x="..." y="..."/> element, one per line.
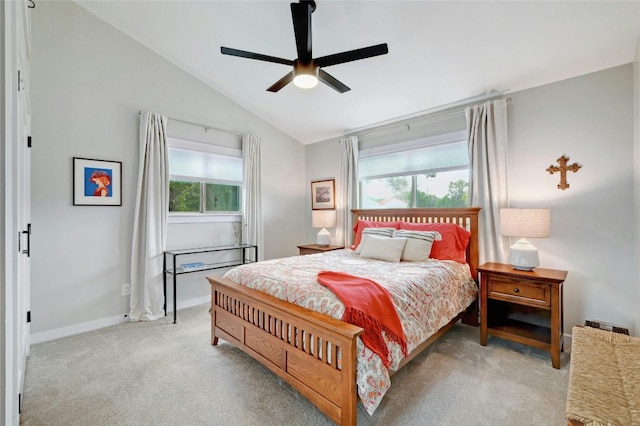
<point x="349" y="405"/>
<point x="471" y="315"/>
<point x="212" y="314"/>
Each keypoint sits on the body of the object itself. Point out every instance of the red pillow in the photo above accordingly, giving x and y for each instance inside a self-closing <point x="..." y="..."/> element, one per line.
<point x="454" y="240"/>
<point x="370" y="224"/>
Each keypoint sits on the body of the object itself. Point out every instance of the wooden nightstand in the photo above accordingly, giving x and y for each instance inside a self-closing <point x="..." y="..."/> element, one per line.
<point x="522" y="306"/>
<point x="314" y="248"/>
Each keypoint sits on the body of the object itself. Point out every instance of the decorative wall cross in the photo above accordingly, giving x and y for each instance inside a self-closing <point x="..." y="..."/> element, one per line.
<point x="563" y="170"/>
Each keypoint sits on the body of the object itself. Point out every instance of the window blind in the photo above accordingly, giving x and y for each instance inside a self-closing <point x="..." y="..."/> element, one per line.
<point x="417" y="157"/>
<point x="198" y="164"/>
<point x="204" y="161"/>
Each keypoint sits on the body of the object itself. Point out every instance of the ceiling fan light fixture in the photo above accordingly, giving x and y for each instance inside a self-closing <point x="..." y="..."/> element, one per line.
<point x="305" y="81"/>
<point x="305" y="76"/>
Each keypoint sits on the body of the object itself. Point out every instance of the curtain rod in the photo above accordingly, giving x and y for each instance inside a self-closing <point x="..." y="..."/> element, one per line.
<point x="205" y="126"/>
<point x="406" y="123"/>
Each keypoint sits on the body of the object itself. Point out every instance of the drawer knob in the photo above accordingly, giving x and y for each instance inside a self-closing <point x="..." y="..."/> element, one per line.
<point x="516" y="290"/>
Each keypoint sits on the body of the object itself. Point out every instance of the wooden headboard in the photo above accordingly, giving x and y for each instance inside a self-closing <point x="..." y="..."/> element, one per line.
<point x="466" y="218"/>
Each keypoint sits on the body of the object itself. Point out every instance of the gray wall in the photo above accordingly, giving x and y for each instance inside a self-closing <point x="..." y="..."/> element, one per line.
<point x="88" y="83"/>
<point x="322" y="163"/>
<point x="589" y="118"/>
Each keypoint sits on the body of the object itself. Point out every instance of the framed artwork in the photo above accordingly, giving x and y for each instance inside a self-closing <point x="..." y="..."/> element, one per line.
<point x="97" y="182"/>
<point x="323" y="195"/>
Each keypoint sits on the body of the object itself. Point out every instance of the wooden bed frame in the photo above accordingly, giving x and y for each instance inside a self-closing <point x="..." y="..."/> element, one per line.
<point x="301" y="346"/>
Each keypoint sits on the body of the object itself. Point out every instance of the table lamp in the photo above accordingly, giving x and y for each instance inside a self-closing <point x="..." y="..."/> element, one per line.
<point x="523" y="224"/>
<point x="323" y="219"/>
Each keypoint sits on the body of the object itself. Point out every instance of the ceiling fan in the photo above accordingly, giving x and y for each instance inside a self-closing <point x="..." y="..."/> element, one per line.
<point x="307" y="70"/>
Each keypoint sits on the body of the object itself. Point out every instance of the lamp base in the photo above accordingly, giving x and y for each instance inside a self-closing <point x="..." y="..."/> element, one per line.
<point x="324" y="238"/>
<point x="523" y="255"/>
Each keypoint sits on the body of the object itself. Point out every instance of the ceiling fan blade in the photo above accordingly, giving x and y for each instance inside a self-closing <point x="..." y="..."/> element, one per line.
<point x="352" y="55"/>
<point x="301" y="16"/>
<point x="281" y="83"/>
<point x="257" y="56"/>
<point x="332" y="82"/>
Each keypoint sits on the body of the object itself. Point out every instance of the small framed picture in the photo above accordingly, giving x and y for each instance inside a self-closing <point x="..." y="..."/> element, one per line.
<point x="323" y="194"/>
<point x="97" y="182"/>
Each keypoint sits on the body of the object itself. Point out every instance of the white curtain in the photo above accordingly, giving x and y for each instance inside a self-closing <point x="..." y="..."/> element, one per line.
<point x="150" y="220"/>
<point x="487" y="135"/>
<point x="347" y="189"/>
<point x="252" y="195"/>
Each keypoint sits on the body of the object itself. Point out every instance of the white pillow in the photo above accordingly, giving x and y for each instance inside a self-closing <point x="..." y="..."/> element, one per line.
<point x="380" y="232"/>
<point x="387" y="249"/>
<point x="418" y="246"/>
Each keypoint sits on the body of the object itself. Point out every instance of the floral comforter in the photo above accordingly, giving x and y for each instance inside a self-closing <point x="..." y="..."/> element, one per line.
<point x="426" y="295"/>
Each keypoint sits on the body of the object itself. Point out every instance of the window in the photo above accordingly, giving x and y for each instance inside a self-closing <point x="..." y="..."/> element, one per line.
<point x="429" y="172"/>
<point x="204" y="178"/>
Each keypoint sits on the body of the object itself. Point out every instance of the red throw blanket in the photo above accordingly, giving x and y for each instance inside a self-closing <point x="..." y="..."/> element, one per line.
<point x="367" y="305"/>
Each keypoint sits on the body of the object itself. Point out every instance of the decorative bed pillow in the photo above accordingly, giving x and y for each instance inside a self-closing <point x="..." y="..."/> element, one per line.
<point x="418" y="245"/>
<point x="387" y="249"/>
<point x="380" y="232"/>
<point x="454" y="239"/>
<point x="362" y="224"/>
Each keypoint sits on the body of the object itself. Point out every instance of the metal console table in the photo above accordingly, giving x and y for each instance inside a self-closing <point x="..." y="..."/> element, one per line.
<point x="176" y="269"/>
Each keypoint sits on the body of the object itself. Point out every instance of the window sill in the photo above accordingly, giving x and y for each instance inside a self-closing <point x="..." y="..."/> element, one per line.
<point x="203" y="218"/>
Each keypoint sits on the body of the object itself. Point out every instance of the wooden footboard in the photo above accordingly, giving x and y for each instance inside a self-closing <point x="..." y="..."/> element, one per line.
<point x="297" y="344"/>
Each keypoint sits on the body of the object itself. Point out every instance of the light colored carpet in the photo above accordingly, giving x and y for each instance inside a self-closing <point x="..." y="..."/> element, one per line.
<point x="159" y="373"/>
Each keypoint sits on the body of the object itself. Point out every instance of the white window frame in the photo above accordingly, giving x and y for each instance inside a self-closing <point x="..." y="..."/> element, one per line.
<point x="202" y="216"/>
<point x="441" y="139"/>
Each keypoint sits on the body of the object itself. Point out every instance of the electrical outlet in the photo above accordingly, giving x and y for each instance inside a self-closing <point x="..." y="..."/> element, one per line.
<point x="126" y="289"/>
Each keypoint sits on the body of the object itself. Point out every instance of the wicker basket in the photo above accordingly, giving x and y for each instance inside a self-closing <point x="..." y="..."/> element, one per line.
<point x="604" y="378"/>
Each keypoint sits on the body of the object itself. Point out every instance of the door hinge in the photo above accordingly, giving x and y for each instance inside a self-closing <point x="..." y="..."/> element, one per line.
<point x="20" y="403"/>
<point x="20" y="80"/>
<point x="28" y="141"/>
<point x="28" y="316"/>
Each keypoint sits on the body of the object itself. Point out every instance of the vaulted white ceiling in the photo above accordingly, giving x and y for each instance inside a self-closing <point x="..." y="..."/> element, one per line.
<point x="440" y="52"/>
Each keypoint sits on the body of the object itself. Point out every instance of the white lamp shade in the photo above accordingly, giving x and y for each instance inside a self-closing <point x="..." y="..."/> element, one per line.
<point x="528" y="223"/>
<point x="531" y="223"/>
<point x="323" y="219"/>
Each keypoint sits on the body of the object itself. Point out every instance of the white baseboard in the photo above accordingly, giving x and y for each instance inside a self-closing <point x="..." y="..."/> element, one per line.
<point x="190" y="303"/>
<point x="567" y="339"/>
<point x="58" y="333"/>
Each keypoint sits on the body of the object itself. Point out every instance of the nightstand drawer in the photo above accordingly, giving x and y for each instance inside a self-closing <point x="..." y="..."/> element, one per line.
<point x="304" y="251"/>
<point x="534" y="294"/>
